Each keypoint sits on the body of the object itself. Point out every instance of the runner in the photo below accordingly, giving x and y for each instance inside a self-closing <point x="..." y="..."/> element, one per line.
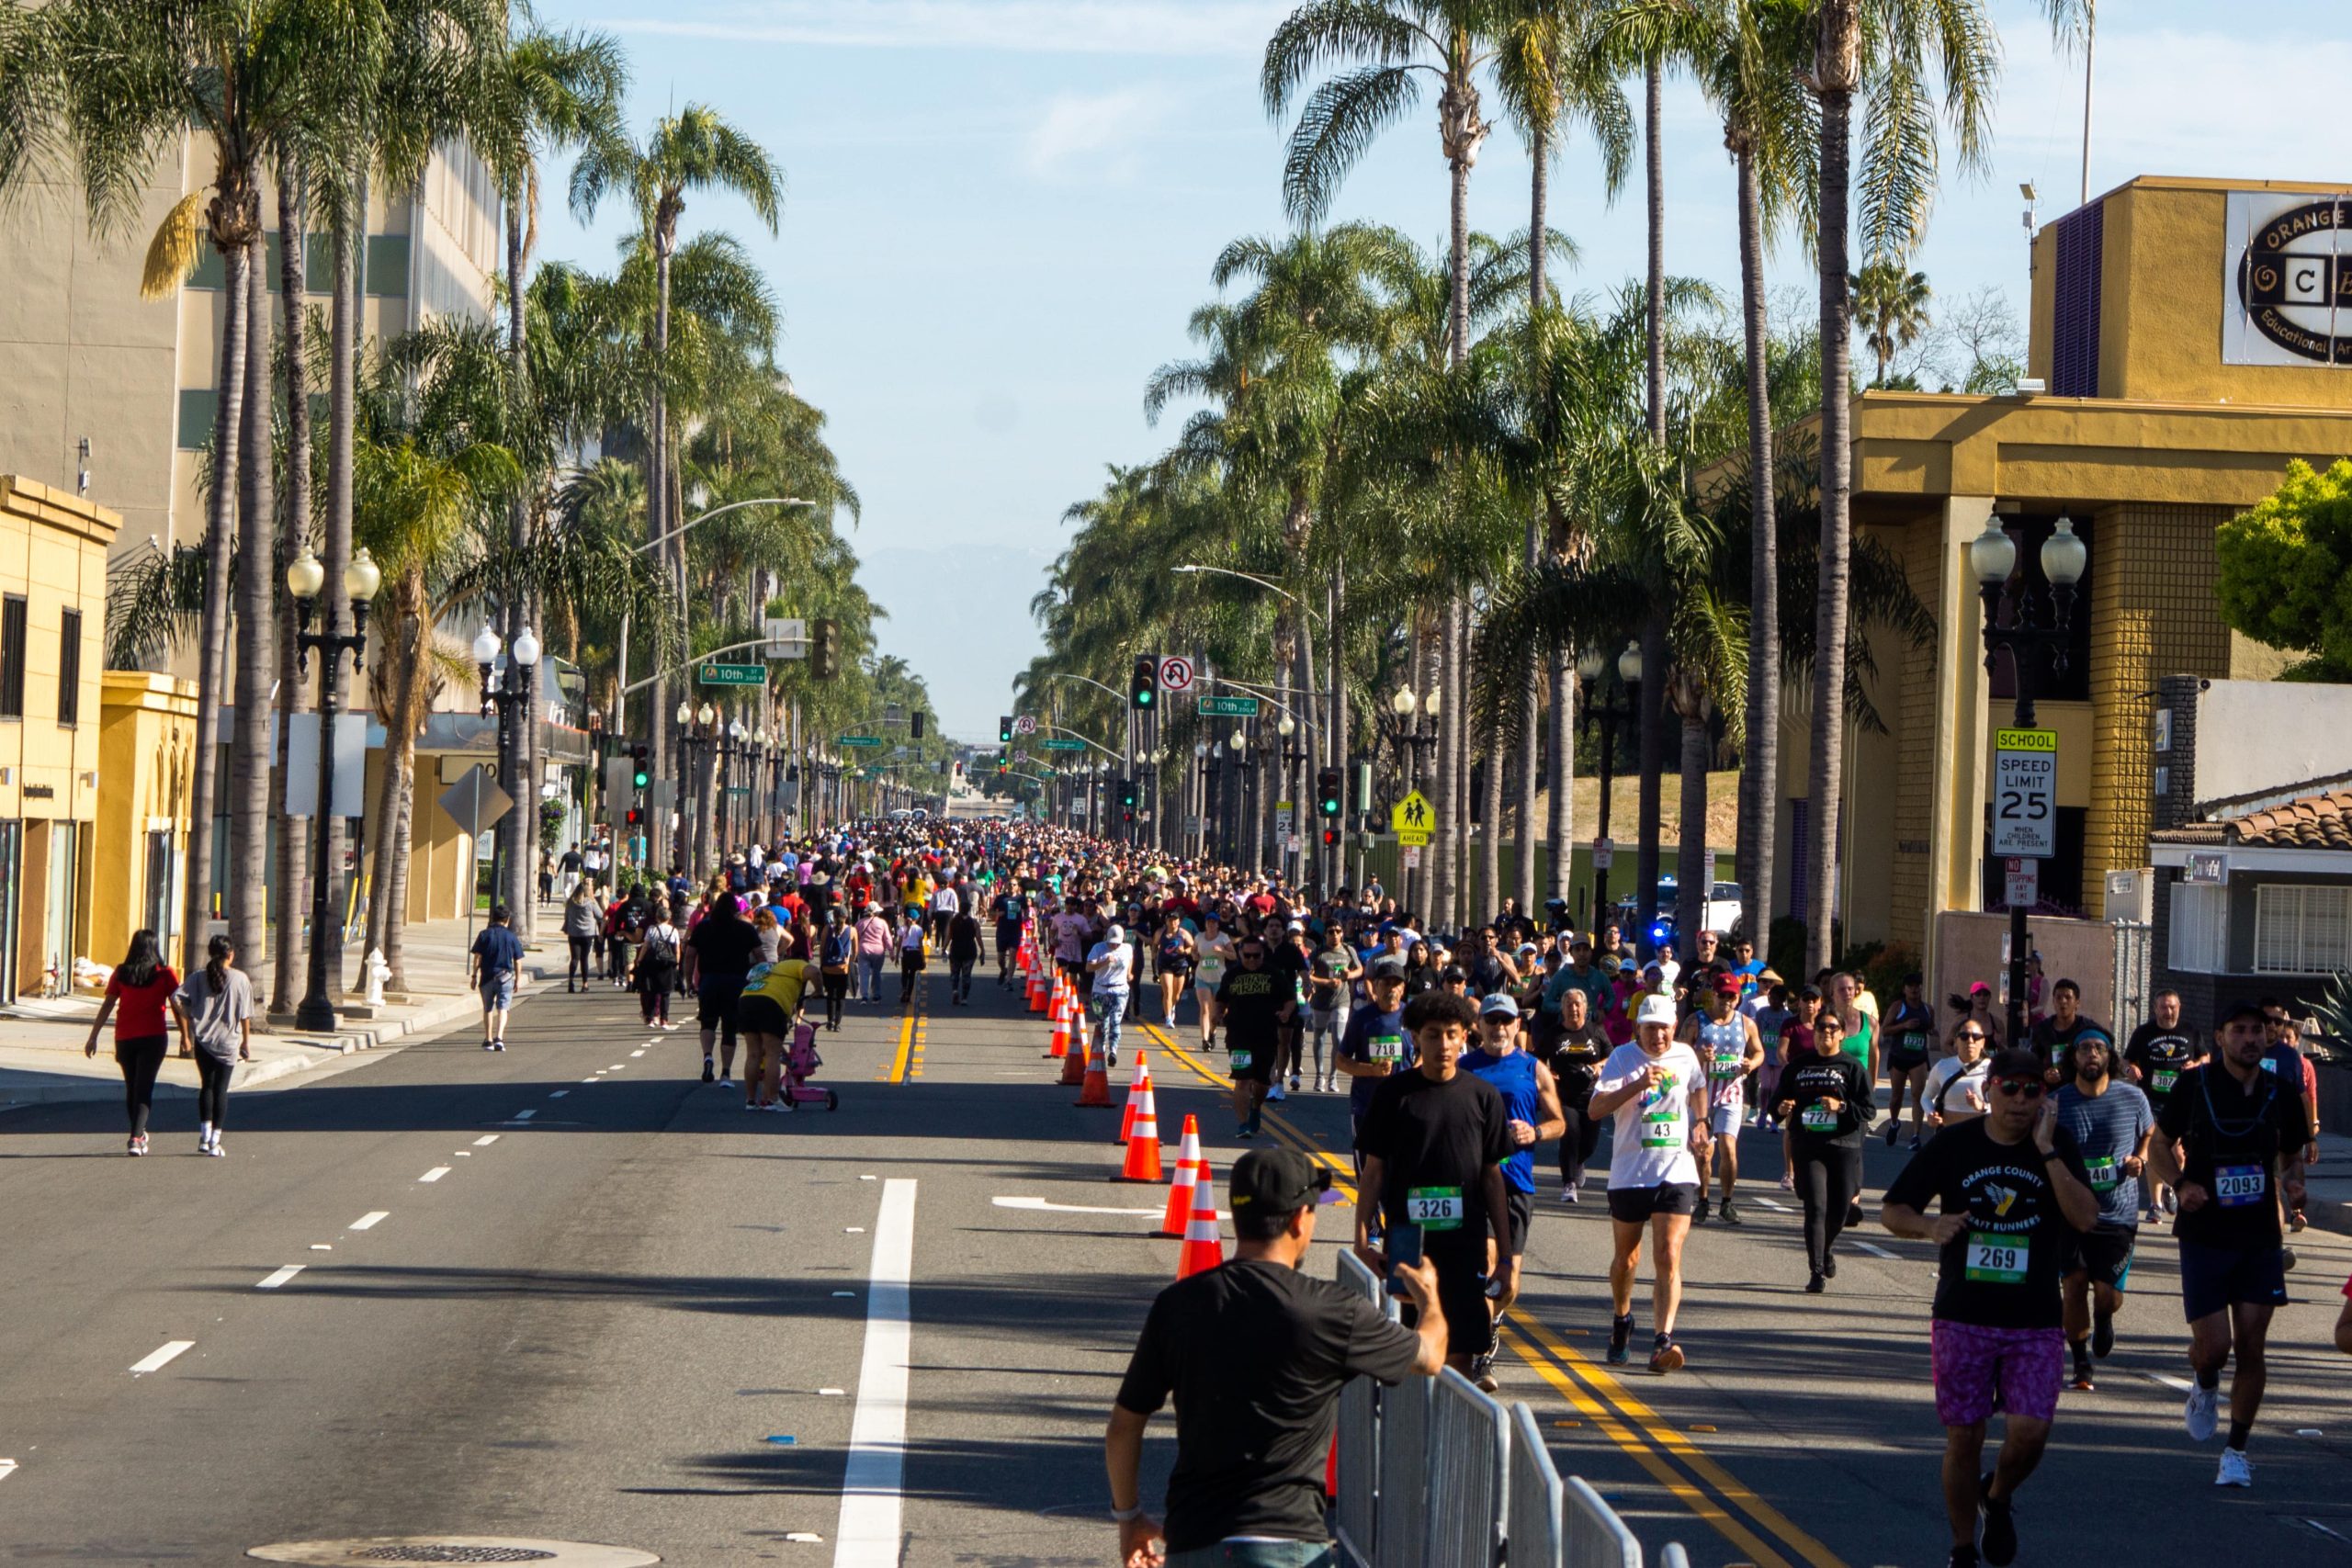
<point x="1433" y="1142"/>
<point x="1731" y="1049"/>
<point x="963" y="955"/>
<point x="1373" y="1046"/>
<point x="1577" y="1057"/>
<point x="1112" y="965"/>
<point x="2011" y="1188"/>
<point x="2054" y="1036"/>
<point x="1251" y="1005"/>
<point x="1533" y="1104"/>
<point x="1956" y="1092"/>
<point x="1010" y="908"/>
<point x="1825" y="1104"/>
<point x="1330" y="979"/>
<point x="497" y="958"/>
<point x="2230" y="1143"/>
<point x="1909" y="1033"/>
<point x="1175" y="962"/>
<point x="2110" y="1122"/>
<point x="1657" y="1092"/>
<point x="1212" y="951"/>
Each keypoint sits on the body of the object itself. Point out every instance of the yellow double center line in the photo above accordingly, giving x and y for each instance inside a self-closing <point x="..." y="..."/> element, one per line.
<point x="910" y="1032"/>
<point x="1702" y="1485"/>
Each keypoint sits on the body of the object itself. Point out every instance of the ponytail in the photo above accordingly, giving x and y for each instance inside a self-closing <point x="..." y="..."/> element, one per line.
<point x="216" y="968"/>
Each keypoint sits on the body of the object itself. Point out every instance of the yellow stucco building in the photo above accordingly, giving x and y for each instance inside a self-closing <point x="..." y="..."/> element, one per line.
<point x="2184" y="347"/>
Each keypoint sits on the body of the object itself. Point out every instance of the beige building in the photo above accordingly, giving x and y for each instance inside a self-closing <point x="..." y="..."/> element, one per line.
<point x="2182" y="351"/>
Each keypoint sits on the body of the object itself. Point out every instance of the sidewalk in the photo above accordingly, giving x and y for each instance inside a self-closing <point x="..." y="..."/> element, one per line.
<point x="40" y="1039"/>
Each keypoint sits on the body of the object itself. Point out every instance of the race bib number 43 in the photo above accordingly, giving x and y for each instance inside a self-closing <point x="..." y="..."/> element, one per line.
<point x="1662" y="1129"/>
<point x="1997" y="1259"/>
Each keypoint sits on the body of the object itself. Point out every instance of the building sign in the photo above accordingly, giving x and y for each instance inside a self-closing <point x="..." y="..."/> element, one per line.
<point x="2210" y="868"/>
<point x="2290" y="279"/>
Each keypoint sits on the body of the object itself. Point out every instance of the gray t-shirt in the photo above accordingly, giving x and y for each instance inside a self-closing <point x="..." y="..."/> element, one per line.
<point x="219" y="1016"/>
<point x="2109" y="1127"/>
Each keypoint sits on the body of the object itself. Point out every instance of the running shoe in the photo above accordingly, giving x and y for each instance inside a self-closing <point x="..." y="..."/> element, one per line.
<point x="1621" y="1331"/>
<point x="1666" y="1355"/>
<point x="707" y="1074"/>
<point x="1962" y="1557"/>
<point x="2000" y="1525"/>
<point x="2172" y="1202"/>
<point x="2235" y="1469"/>
<point x="2102" y="1334"/>
<point x="1568" y="1191"/>
<point x="489" y="1045"/>
<point x="215" y="1150"/>
<point x="1294" y="1083"/>
<point x="1788" y="1182"/>
<point x="1482" y="1373"/>
<point x="1893" y="1125"/>
<point x="2082" y="1380"/>
<point x="1729" y="1215"/>
<point x="1698" y="1216"/>
<point x="1243" y="1132"/>
<point x="1815" y="1285"/>
<point x="2200" y="1413"/>
<point x="725" y="1082"/>
<point x="498" y="1044"/>
<point x="133" y="1147"/>
<point x="1829" y="1263"/>
<point x="1914" y="1144"/>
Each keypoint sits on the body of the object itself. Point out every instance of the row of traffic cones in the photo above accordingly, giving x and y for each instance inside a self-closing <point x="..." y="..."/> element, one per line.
<point x="1192" y="1195"/>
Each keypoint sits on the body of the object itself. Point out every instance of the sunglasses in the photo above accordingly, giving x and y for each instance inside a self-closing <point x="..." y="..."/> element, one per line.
<point x="1971" y="1034"/>
<point x="1254" y="952"/>
<point x="2024" y="1089"/>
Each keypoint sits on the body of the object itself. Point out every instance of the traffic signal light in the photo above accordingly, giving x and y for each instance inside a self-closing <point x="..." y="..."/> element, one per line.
<point x="635" y="817"/>
<point x="1327" y="794"/>
<point x="824" y="649"/>
<point x="1331" y="837"/>
<point x="914" y="725"/>
<point x="1143" y="688"/>
<point x="1127" y="794"/>
<point x="639" y="775"/>
<point x="1004" y="730"/>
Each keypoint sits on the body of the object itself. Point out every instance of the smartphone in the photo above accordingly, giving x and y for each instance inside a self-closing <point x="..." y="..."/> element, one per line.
<point x="1404" y="1252"/>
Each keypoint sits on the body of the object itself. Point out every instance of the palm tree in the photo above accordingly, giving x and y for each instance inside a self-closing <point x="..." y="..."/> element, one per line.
<point x="1907" y="59"/>
<point x="1400" y="43"/>
<point x="1552" y="73"/>
<point x="692" y="149"/>
<point x="557" y="90"/>
<point x="1891" y="307"/>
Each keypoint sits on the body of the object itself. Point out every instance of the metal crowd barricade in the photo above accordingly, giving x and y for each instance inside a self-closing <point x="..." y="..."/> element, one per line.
<point x="1355" y="1517"/>
<point x="1435" y="1475"/>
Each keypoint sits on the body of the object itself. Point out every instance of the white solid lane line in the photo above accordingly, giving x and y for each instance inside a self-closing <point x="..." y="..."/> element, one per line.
<point x="868" y="1536"/>
<point x="1035" y="1204"/>
<point x="489" y="1138"/>
<point x="435" y="1174"/>
<point x="371" y="1219"/>
<point x="159" y="1359"/>
<point x="281" y="1277"/>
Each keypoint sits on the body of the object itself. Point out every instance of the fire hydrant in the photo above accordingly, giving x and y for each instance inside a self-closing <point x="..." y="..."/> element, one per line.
<point x="378" y="973"/>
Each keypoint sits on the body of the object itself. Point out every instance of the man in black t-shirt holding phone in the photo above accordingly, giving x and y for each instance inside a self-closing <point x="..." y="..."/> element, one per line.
<point x="1255" y="1353"/>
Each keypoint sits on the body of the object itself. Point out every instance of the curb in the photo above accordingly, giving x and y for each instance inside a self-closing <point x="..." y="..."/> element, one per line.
<point x="386" y="1035"/>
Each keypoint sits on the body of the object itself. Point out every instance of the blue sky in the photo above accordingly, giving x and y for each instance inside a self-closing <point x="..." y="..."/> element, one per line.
<point x="1001" y="211"/>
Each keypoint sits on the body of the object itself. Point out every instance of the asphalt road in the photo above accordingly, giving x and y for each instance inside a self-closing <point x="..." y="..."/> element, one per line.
<point x="639" y="1315"/>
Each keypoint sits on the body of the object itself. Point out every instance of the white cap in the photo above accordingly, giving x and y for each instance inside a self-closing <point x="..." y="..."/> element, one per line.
<point x="1115" y="932"/>
<point x="1656" y="1009"/>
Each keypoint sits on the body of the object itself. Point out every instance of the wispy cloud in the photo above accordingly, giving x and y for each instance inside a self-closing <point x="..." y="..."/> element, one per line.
<point x="1097" y="136"/>
<point x="1034" y="27"/>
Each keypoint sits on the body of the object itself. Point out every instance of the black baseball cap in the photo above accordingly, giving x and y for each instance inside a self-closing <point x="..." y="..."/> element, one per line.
<point x="2242" y="1008"/>
<point x="1277" y="1181"/>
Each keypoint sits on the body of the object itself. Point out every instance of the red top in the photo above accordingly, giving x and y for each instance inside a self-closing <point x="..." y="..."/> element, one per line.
<point x="139" y="1010"/>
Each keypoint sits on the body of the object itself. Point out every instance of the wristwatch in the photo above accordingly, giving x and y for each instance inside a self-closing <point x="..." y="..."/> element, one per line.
<point x="1126" y="1515"/>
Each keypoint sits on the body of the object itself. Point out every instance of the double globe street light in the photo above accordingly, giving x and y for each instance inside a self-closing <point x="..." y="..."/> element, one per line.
<point x="304" y="577"/>
<point x="505" y="688"/>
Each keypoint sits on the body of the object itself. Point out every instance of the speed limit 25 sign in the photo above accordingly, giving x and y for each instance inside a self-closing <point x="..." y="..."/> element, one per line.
<point x="2024" y="794"/>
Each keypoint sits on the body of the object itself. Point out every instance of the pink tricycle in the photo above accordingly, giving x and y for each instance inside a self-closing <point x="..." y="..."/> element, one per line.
<point x="800" y="1064"/>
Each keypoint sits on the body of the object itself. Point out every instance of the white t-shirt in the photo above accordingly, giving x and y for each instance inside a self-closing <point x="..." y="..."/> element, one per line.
<point x="1652" y="1142"/>
<point x="1118" y="961"/>
<point x="1971" y="1079"/>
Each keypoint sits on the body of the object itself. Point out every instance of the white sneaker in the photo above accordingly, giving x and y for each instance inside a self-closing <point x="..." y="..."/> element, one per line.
<point x="725" y="1082"/>
<point x="2197" y="1414"/>
<point x="1275" y="1092"/>
<point x="215" y="1150"/>
<point x="2235" y="1470"/>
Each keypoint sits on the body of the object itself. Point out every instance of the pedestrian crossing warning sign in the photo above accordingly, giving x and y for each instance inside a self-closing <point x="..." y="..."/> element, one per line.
<point x="1412" y="819"/>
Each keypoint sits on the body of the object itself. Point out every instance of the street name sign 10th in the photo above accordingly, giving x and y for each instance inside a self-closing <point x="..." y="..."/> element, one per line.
<point x="1231" y="707"/>
<point x="2024" y="794"/>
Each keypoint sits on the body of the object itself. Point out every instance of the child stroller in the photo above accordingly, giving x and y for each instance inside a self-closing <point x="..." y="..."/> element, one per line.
<point x="800" y="1063"/>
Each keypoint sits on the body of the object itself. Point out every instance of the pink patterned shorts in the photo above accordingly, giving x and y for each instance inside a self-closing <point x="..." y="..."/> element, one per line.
<point x="2027" y="1365"/>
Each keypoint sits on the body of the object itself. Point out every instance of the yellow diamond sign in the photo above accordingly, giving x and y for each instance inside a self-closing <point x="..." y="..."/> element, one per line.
<point x="1413" y="819"/>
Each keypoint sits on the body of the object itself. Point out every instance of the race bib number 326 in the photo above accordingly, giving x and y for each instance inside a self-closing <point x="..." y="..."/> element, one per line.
<point x="1435" y="1208"/>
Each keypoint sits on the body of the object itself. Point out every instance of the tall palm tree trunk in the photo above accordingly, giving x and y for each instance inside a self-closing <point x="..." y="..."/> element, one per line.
<point x="1338" y="715"/>
<point x="1465" y="743"/>
<point x="1490" y="846"/>
<point x="1531" y="700"/>
<point x="292" y="882"/>
<point x="1760" y="764"/>
<point x="519" y="830"/>
<point x="663" y="743"/>
<point x="248" y="890"/>
<point x="1839" y="41"/>
<point x="1694" y="865"/>
<point x="1447" y="844"/>
<point x="213" y="652"/>
<point x="1653" y="706"/>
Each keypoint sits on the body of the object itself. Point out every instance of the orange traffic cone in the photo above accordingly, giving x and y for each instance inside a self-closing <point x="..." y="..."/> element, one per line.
<point x="1096" y="1094"/>
<point x="1143" y="1149"/>
<point x="1204" y="1243"/>
<point x="1082" y="1052"/>
<point x="1060" y="1011"/>
<point x="1180" y="1185"/>
<point x="1134" y="1091"/>
<point x="1038" y="990"/>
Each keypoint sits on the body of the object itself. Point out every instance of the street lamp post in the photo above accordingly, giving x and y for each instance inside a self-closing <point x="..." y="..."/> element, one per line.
<point x="1414" y="738"/>
<point x="505" y="688"/>
<point x="1592" y="668"/>
<point x="2033" y="644"/>
<point x="304" y="578"/>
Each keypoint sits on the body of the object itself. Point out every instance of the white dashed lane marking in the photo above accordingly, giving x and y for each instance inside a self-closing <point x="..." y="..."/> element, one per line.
<point x="371" y="1220"/>
<point x="281" y="1277"/>
<point x="435" y="1174"/>
<point x="156" y="1361"/>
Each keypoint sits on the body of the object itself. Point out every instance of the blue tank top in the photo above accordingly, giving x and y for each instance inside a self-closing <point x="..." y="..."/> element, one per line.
<point x="1514" y="1078"/>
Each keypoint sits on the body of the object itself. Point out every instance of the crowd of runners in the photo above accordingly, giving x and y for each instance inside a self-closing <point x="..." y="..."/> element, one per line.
<point x="2034" y="1163"/>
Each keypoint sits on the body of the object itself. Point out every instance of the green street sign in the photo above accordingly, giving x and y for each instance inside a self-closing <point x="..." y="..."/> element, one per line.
<point x="733" y="675"/>
<point x="1231" y="707"/>
<point x="1060" y="745"/>
<point x="859" y="739"/>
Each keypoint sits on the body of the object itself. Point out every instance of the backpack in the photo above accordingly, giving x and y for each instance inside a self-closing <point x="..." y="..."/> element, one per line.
<point x="839" y="947"/>
<point x="662" y="944"/>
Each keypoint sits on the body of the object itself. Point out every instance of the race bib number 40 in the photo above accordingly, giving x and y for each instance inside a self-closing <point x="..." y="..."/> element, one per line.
<point x="2235" y="1186"/>
<point x="2102" y="1172"/>
<point x="1997" y="1259"/>
<point x="1435" y="1208"/>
